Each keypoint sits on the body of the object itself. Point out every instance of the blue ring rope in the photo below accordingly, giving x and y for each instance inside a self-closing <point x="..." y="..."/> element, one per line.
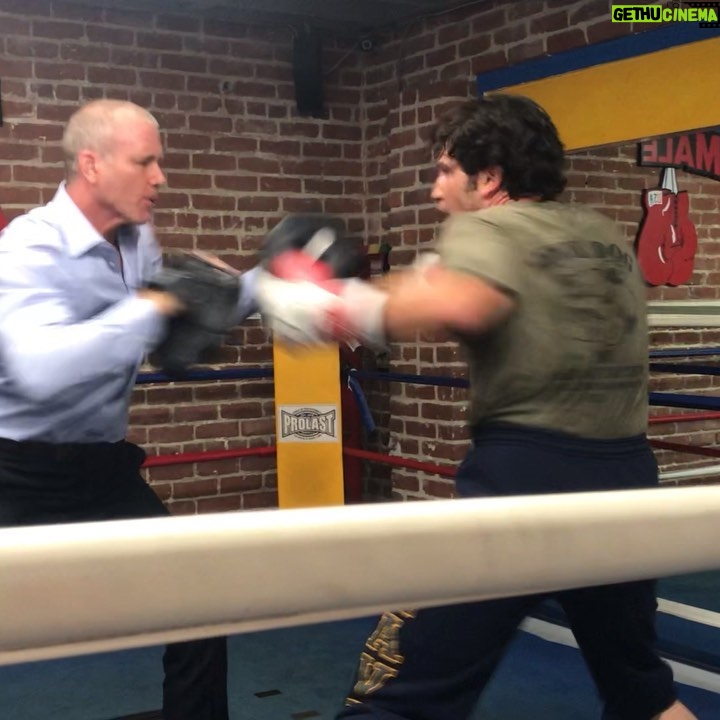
<point x="684" y="352"/>
<point x="439" y="380"/>
<point x="685" y="368"/>
<point x="365" y="413"/>
<point x="692" y="402"/>
<point x="228" y="374"/>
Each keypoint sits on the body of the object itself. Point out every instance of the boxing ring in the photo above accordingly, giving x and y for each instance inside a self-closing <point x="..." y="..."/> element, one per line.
<point x="95" y="587"/>
<point x="117" y="585"/>
<point x="75" y="594"/>
<point x="120" y="585"/>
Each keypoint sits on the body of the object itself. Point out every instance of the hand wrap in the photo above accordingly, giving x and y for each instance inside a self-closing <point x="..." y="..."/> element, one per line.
<point x="303" y="306"/>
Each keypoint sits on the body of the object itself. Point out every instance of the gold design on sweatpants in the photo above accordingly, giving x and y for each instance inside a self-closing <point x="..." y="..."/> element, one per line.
<point x="382" y="658"/>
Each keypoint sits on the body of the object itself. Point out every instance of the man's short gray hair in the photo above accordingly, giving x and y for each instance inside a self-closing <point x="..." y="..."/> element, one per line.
<point x="93" y="127"/>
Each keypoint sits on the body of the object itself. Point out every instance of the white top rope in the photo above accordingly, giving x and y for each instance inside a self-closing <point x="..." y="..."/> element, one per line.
<point x="74" y="589"/>
<point x="684" y="313"/>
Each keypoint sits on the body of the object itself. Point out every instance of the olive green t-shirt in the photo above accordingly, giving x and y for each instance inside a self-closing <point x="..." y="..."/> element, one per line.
<point x="572" y="357"/>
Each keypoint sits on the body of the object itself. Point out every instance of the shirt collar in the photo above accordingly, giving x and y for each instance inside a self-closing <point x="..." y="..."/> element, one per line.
<point x="82" y="236"/>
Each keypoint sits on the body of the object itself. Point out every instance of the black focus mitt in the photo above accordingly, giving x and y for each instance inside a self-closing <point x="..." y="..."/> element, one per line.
<point x="323" y="237"/>
<point x="210" y="291"/>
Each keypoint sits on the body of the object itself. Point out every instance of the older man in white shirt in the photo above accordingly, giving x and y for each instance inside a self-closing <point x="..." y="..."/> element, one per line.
<point x="75" y="324"/>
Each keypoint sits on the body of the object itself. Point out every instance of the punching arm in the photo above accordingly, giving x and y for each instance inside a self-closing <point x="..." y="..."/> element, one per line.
<point x="308" y="311"/>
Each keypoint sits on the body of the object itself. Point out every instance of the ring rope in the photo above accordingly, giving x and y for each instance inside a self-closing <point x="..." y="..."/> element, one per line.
<point x="132" y="583"/>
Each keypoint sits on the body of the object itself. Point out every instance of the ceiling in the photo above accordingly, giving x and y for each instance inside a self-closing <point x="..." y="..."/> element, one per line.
<point x="343" y="16"/>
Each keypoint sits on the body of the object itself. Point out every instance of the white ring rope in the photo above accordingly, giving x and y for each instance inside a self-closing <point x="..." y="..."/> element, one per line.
<point x="684" y="313"/>
<point x="74" y="589"/>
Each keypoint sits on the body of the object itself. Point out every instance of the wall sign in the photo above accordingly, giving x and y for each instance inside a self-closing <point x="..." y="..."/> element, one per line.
<point x="697" y="153"/>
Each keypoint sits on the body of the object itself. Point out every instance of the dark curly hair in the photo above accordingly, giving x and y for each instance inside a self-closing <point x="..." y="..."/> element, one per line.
<point x="511" y="132"/>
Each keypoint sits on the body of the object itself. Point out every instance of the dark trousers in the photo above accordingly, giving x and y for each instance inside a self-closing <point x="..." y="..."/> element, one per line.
<point x="50" y="484"/>
<point x="433" y="664"/>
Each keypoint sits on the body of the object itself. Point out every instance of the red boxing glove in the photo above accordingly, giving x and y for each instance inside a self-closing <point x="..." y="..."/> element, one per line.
<point x="299" y="265"/>
<point x="320" y="236"/>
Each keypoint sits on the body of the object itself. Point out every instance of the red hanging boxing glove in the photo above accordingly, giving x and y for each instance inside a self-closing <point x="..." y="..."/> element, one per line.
<point x="3" y="220"/>
<point x="655" y="236"/>
<point x="683" y="255"/>
<point x="667" y="240"/>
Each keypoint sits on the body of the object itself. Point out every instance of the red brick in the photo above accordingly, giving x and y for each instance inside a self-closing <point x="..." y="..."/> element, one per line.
<point x="568" y="40"/>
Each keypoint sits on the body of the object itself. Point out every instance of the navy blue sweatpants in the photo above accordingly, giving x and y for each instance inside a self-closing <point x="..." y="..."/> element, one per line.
<point x="433" y="664"/>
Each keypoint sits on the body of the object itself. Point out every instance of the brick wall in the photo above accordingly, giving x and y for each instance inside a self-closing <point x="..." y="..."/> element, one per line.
<point x="238" y="158"/>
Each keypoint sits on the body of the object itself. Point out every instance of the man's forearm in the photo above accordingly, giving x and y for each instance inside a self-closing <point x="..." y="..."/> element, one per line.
<point x="47" y="360"/>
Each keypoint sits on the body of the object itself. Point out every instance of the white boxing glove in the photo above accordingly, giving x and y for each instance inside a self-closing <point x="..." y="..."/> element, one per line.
<point x="307" y="312"/>
<point x="294" y="310"/>
<point x="424" y="261"/>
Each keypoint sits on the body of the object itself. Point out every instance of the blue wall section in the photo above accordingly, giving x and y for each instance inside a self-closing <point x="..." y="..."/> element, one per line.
<point x="597" y="54"/>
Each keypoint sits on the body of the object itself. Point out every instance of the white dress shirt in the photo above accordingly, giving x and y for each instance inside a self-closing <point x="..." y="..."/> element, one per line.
<point x="73" y="332"/>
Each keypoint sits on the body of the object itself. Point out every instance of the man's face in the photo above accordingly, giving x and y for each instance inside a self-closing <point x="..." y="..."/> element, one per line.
<point x="128" y="175"/>
<point x="453" y="190"/>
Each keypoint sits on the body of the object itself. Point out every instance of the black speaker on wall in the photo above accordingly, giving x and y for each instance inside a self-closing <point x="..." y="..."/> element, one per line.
<point x="308" y="73"/>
